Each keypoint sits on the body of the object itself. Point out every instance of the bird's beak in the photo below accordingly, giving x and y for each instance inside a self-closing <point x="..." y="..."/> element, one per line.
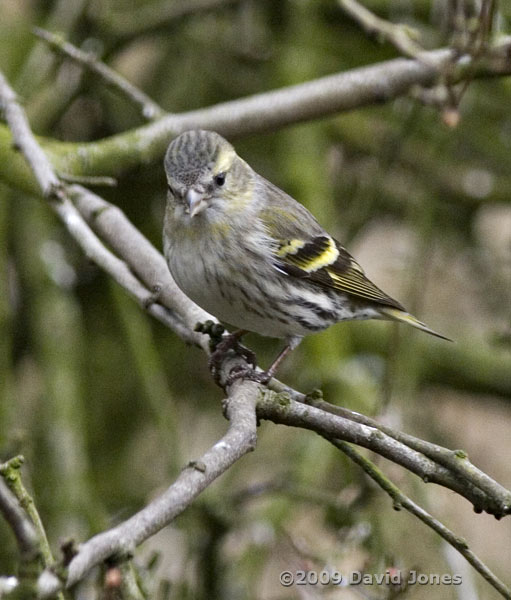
<point x="196" y="202"/>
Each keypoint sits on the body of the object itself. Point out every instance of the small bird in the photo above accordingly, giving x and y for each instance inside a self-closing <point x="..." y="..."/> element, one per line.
<point x="248" y="253"/>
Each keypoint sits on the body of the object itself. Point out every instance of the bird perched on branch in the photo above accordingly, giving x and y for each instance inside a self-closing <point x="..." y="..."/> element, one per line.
<point x="251" y="255"/>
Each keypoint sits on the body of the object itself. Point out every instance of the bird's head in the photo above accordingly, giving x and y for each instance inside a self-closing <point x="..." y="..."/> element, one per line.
<point x="205" y="176"/>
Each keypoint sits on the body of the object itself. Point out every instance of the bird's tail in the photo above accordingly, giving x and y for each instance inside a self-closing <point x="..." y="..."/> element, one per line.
<point x="395" y="314"/>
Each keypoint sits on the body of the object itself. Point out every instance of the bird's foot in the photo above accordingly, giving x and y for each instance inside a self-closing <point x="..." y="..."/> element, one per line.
<point x="242" y="372"/>
<point x="225" y="344"/>
<point x="262" y="377"/>
<point x="230" y="342"/>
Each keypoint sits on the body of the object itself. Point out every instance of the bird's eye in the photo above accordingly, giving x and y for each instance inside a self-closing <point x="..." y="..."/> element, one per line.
<point x="219" y="179"/>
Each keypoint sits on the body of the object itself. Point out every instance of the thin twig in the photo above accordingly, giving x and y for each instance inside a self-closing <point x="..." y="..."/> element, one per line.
<point x="20" y="524"/>
<point x="10" y="471"/>
<point x="400" y="500"/>
<point x="121" y="540"/>
<point x="149" y="108"/>
<point x="400" y="36"/>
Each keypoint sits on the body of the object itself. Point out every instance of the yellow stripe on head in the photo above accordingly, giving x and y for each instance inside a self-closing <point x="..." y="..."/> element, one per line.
<point x="224" y="160"/>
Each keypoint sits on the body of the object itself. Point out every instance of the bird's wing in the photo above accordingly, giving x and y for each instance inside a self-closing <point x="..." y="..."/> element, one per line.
<point x="324" y="261"/>
<point x="306" y="251"/>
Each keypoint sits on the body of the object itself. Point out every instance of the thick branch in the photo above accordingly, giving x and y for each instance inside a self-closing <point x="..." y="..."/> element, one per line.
<point x="377" y="83"/>
<point x="121" y="540"/>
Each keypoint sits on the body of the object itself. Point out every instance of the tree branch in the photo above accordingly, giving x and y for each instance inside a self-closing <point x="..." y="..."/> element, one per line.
<point x="20" y="524"/>
<point x="10" y="472"/>
<point x="400" y="36"/>
<point x="122" y="540"/>
<point x="149" y="108"/>
<point x="329" y="95"/>
<point x="400" y="500"/>
<point x="25" y="142"/>
<point x="59" y="199"/>
<point x="456" y="461"/>
<point x="280" y="408"/>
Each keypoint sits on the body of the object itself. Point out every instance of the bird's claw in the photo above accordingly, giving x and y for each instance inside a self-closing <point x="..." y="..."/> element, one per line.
<point x="242" y="372"/>
<point x="247" y="354"/>
<point x="229" y="343"/>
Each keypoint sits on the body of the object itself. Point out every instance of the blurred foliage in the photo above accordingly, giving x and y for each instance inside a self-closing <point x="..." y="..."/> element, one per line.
<point x="107" y="405"/>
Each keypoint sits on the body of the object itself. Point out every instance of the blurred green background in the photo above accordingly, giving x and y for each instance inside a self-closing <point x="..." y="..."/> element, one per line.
<point x="108" y="405"/>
